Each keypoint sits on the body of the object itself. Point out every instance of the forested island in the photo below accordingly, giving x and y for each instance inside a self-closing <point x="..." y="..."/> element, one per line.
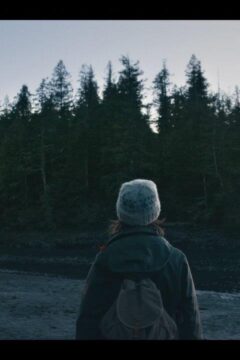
<point x="63" y="157"/>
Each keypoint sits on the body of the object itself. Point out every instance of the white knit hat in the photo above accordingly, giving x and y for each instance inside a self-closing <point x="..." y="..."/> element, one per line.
<point x="138" y="202"/>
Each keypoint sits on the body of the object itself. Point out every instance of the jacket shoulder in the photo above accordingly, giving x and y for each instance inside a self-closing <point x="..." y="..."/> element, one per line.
<point x="178" y="257"/>
<point x="178" y="253"/>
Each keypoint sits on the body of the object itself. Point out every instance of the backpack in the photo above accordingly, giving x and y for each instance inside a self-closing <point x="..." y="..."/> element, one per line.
<point x="138" y="313"/>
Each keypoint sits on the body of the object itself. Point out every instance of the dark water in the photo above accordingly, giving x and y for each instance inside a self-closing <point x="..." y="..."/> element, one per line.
<point x="214" y="258"/>
<point x="213" y="255"/>
<point x="217" y="270"/>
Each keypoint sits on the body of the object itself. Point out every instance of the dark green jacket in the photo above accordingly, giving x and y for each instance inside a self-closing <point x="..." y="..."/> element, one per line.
<point x="139" y="250"/>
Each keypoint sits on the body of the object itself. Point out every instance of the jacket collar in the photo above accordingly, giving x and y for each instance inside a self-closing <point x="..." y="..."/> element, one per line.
<point x="136" y="229"/>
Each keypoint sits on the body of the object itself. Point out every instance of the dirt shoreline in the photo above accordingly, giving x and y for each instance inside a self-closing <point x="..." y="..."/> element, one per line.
<point x="43" y="307"/>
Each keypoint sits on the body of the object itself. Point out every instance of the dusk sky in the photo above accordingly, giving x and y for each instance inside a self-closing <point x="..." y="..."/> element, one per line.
<point x="31" y="49"/>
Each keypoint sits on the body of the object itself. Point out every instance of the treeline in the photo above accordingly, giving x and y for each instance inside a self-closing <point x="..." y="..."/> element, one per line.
<point x="64" y="157"/>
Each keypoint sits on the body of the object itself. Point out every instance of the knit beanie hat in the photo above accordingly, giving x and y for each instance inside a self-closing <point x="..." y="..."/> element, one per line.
<point x="138" y="202"/>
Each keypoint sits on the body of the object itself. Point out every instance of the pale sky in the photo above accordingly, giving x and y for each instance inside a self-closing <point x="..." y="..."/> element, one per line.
<point x="30" y="49"/>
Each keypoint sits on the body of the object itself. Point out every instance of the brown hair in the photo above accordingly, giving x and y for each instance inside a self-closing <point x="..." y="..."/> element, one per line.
<point x="116" y="226"/>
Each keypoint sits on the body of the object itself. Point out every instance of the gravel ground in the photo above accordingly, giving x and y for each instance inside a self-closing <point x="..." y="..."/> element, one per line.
<point x="37" y="306"/>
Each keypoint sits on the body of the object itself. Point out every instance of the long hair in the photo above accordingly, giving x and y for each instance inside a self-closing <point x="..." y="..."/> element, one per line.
<point x="117" y="226"/>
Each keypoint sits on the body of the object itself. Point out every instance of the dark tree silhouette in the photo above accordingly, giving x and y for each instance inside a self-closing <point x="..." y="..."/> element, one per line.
<point x="62" y="159"/>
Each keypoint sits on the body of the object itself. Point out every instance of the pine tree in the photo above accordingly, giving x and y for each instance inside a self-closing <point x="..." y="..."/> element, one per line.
<point x="130" y="87"/>
<point x="45" y="150"/>
<point x="16" y="162"/>
<point x="110" y="88"/>
<point x="164" y="122"/>
<point x="200" y="133"/>
<point x="6" y="117"/>
<point x="88" y="134"/>
<point x="230" y="165"/>
<point x="133" y="123"/>
<point x="61" y="88"/>
<point x="110" y="145"/>
<point x="163" y="100"/>
<point x="23" y="105"/>
<point x="197" y="83"/>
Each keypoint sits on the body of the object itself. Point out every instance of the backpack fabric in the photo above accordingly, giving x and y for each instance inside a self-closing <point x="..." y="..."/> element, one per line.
<point x="138" y="314"/>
